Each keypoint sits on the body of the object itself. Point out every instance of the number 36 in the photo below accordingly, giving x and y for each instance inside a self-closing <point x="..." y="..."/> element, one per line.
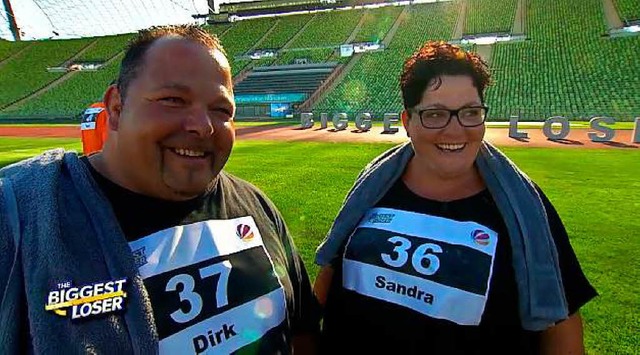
<point x="422" y="252"/>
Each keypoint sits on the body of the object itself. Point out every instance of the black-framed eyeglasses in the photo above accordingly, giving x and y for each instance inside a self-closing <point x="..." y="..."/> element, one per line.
<point x="434" y="118"/>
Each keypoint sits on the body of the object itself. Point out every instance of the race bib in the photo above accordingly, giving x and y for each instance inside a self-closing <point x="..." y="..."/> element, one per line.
<point x="431" y="265"/>
<point x="212" y="286"/>
<point x="89" y="118"/>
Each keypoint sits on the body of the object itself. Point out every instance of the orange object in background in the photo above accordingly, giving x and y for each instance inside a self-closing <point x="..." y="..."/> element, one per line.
<point x="94" y="128"/>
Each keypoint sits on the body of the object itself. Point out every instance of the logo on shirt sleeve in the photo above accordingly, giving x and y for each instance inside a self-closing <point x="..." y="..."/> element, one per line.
<point x="88" y="300"/>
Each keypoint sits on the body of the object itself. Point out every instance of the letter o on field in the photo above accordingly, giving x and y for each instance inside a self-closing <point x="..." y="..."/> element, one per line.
<point x="548" y="130"/>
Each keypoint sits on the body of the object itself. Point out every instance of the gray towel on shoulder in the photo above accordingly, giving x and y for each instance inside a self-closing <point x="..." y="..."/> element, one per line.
<point x="542" y="301"/>
<point x="67" y="233"/>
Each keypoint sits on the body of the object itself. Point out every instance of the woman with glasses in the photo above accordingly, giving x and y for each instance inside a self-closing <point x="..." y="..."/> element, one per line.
<point x="443" y="246"/>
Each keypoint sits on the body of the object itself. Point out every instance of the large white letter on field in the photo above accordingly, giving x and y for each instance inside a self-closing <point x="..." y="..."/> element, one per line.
<point x="596" y="125"/>
<point x="324" y="118"/>
<point x="340" y="122"/>
<point x="389" y="119"/>
<point x="306" y="120"/>
<point x="513" y="129"/>
<point x="548" y="131"/>
<point x="363" y="122"/>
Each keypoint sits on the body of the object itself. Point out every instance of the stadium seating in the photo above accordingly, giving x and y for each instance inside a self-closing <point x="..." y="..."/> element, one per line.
<point x="490" y="16"/>
<point x="361" y="2"/>
<point x="8" y="48"/>
<point x="568" y="65"/>
<point x="319" y="55"/>
<point x="242" y="37"/>
<point x="70" y="97"/>
<point x="284" y="30"/>
<point x="629" y="10"/>
<point x="567" y="68"/>
<point x="285" y="79"/>
<point x="373" y="83"/>
<point x="27" y="71"/>
<point x="219" y="28"/>
<point x="328" y="29"/>
<point x="82" y="88"/>
<point x="376" y="24"/>
<point x="318" y="42"/>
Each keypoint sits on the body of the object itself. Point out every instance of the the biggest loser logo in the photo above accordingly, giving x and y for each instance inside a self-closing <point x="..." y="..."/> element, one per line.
<point x="480" y="237"/>
<point x="87" y="300"/>
<point x="244" y="232"/>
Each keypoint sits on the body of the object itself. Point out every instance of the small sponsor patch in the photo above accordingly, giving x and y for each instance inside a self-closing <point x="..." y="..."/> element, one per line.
<point x="480" y="237"/>
<point x="244" y="232"/>
<point x="140" y="257"/>
<point x="381" y="218"/>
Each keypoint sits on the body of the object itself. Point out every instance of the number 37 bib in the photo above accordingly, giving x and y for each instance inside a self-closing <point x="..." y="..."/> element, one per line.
<point x="431" y="265"/>
<point x="212" y="286"/>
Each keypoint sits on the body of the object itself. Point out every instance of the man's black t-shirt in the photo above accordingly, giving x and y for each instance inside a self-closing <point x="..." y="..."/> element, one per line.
<point x="140" y="215"/>
<point x="357" y="323"/>
<point x="216" y="294"/>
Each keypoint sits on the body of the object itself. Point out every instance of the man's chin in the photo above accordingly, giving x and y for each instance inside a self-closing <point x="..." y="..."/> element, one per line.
<point x="185" y="194"/>
<point x="184" y="191"/>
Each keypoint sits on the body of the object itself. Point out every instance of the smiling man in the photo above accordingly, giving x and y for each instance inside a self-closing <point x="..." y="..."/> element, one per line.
<point x="204" y="259"/>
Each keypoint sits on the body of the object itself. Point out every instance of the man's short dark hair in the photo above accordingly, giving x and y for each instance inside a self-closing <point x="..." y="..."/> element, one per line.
<point x="138" y="46"/>
<point x="435" y="59"/>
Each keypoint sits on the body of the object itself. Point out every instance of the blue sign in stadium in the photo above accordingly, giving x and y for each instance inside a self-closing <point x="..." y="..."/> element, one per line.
<point x="280" y="109"/>
<point x="269" y="98"/>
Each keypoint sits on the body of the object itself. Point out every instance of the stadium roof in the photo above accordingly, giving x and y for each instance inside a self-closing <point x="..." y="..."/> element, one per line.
<point x="59" y="19"/>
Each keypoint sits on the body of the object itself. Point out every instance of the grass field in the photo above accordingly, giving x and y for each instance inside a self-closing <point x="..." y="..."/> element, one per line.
<point x="595" y="192"/>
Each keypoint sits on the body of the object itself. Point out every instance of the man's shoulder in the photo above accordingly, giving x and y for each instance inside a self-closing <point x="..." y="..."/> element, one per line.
<point x="35" y="165"/>
<point x="239" y="185"/>
<point x="247" y="195"/>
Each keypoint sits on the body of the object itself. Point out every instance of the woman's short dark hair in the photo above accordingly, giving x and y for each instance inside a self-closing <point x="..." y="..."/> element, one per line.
<point x="138" y="46"/>
<point x="435" y="59"/>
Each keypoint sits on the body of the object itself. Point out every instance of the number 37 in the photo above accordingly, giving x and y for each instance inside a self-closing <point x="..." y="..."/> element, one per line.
<point x="192" y="297"/>
<point x="422" y="252"/>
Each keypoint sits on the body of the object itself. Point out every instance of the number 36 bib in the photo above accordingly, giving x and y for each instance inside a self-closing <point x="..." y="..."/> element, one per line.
<point x="212" y="286"/>
<point x="431" y="265"/>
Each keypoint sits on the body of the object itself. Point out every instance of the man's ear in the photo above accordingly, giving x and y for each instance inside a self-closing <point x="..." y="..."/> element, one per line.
<point x="113" y="102"/>
<point x="404" y="116"/>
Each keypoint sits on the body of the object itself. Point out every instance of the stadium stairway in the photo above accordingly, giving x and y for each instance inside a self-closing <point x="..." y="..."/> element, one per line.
<point x="245" y="80"/>
<point x="15" y="54"/>
<point x="392" y="32"/>
<point x="341" y="71"/>
<point x="485" y="51"/>
<point x="301" y="31"/>
<point x="355" y="31"/>
<point x="328" y="85"/>
<point x="520" y="20"/>
<point x="247" y="69"/>
<point x="611" y="15"/>
<point x="458" y="31"/>
<point x="266" y="34"/>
